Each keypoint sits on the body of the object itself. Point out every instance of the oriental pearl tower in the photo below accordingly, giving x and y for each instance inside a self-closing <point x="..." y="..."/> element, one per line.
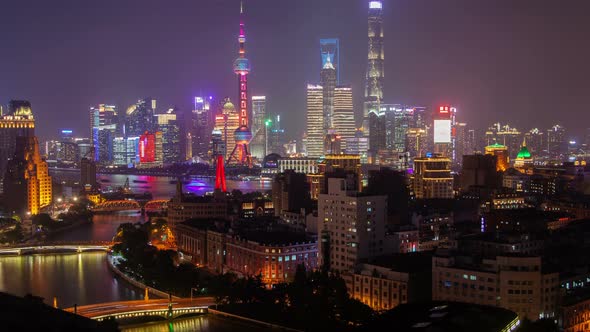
<point x="241" y="155"/>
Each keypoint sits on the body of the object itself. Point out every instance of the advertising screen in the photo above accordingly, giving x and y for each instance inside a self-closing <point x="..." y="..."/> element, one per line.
<point x="442" y="131"/>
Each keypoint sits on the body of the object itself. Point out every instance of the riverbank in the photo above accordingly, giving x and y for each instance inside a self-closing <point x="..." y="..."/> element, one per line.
<point x="251" y="320"/>
<point x="133" y="282"/>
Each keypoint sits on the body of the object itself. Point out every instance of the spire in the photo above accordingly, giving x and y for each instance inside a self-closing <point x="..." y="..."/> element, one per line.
<point x="241" y="7"/>
<point x="328" y="64"/>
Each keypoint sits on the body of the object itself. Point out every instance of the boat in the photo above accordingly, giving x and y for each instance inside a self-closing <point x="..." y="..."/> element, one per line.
<point x="140" y="181"/>
<point x="105" y="180"/>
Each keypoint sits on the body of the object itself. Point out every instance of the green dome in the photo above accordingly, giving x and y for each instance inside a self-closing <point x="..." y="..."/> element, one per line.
<point x="524" y="153"/>
<point x="496" y="146"/>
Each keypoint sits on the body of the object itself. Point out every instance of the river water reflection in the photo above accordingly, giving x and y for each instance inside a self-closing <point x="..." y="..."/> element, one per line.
<point x="86" y="279"/>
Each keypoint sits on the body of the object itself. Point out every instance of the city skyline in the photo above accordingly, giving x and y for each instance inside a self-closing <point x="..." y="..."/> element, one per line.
<point x="521" y="71"/>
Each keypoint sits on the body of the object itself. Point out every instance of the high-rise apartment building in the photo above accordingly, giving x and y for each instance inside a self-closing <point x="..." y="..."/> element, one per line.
<point x="17" y="121"/>
<point x="315" y="120"/>
<point x="375" y="63"/>
<point x="27" y="178"/>
<point x="258" y="145"/>
<point x="432" y="177"/>
<point x="351" y="226"/>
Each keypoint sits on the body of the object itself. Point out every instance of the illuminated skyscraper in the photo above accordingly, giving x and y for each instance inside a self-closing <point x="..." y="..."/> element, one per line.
<point x="343" y="119"/>
<point x="330" y="52"/>
<point x="443" y="124"/>
<point x="202" y="121"/>
<point x="315" y="120"/>
<point x="375" y="63"/>
<point x="556" y="142"/>
<point x="27" y="178"/>
<point x="328" y="82"/>
<point x="103" y="126"/>
<point x="17" y="121"/>
<point x="170" y="129"/>
<point x="259" y="132"/>
<point x="240" y="154"/>
<point x="140" y="117"/>
<point x="150" y="150"/>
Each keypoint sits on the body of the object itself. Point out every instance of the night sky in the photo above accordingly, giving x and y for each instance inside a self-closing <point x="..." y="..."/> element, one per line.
<point x="525" y="61"/>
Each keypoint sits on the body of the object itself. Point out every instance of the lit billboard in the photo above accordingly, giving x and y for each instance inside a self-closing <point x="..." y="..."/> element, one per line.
<point x="442" y="131"/>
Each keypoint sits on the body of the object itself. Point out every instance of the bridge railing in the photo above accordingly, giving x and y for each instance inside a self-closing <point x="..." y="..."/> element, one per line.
<point x="59" y="243"/>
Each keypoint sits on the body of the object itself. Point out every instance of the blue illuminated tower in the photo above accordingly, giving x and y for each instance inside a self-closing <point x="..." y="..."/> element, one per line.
<point x="330" y="52"/>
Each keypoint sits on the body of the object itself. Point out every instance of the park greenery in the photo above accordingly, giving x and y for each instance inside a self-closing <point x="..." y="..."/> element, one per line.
<point x="313" y="296"/>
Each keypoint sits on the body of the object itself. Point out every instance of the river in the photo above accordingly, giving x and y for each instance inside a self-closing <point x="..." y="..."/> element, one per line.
<point x="84" y="278"/>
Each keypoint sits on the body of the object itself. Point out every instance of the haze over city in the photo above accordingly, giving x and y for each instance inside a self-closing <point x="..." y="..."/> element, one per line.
<point x="304" y="165"/>
<point x="522" y="62"/>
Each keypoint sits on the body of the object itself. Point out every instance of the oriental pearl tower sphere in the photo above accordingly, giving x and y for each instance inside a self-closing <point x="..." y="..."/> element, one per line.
<point x="243" y="134"/>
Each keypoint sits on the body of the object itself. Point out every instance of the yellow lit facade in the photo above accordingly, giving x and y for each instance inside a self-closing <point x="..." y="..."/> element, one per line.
<point x="432" y="178"/>
<point x="501" y="153"/>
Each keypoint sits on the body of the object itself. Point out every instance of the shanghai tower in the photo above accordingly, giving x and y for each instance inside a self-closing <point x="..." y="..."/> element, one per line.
<point x="375" y="59"/>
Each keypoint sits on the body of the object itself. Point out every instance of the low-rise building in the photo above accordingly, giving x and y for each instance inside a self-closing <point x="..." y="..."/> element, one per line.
<point x="273" y="254"/>
<point x="389" y="281"/>
<point x="183" y="207"/>
<point x="514" y="282"/>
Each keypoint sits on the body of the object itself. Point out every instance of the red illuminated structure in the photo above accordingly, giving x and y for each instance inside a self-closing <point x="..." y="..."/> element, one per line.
<point x="147" y="148"/>
<point x="220" y="175"/>
<point x="240" y="154"/>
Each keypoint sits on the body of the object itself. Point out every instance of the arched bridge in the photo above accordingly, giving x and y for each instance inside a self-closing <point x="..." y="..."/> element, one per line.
<point x="119" y="205"/>
<point x="44" y="247"/>
<point x="149" y="308"/>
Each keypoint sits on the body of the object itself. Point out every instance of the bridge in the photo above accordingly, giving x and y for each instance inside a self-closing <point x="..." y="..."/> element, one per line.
<point x="158" y="205"/>
<point x="56" y="247"/>
<point x="118" y="205"/>
<point x="145" y="308"/>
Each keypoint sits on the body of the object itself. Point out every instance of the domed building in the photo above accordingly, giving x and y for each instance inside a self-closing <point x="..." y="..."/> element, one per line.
<point x="524" y="160"/>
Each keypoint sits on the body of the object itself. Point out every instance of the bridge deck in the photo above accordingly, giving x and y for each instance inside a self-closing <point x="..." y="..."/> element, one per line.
<point x="96" y="311"/>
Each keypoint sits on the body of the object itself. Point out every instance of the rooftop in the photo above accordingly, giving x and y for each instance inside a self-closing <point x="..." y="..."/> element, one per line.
<point x="443" y="316"/>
